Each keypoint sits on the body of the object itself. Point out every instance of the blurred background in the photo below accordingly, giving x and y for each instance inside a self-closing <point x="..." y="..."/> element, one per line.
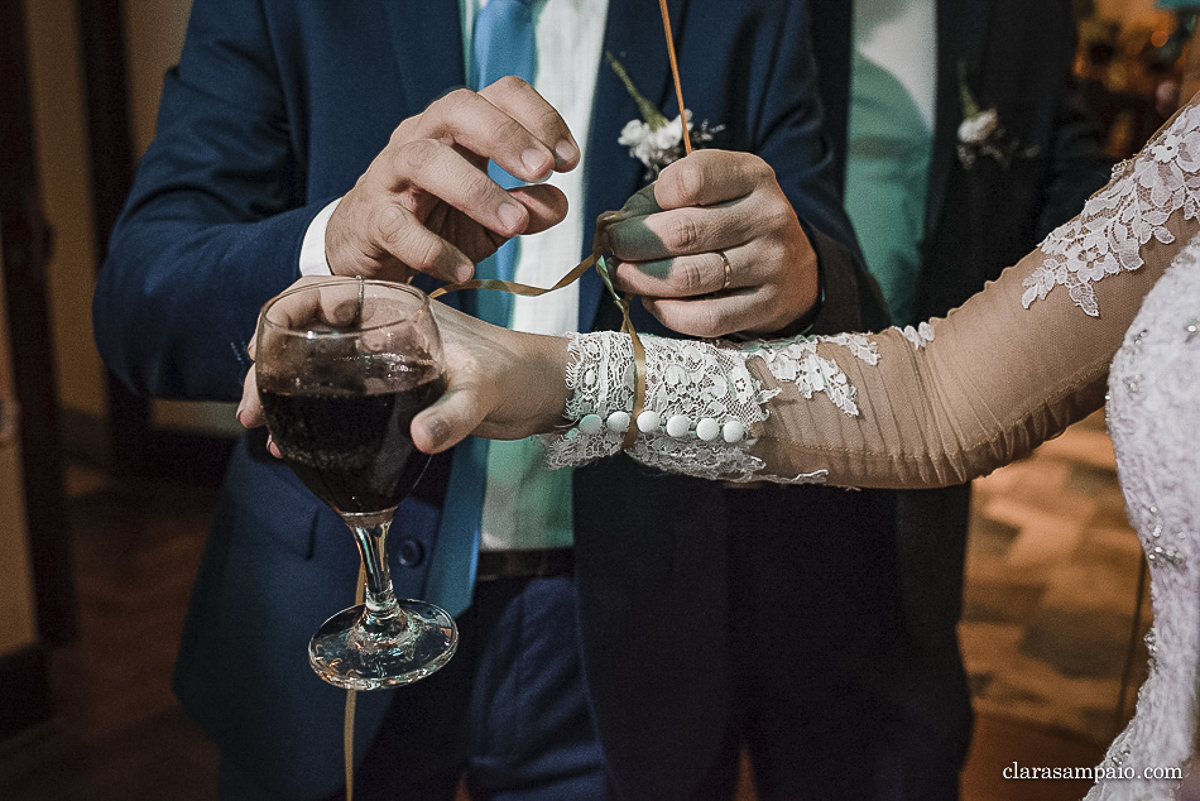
<point x="104" y="497"/>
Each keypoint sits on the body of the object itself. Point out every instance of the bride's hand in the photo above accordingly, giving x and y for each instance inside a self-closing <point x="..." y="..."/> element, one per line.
<point x="500" y="384"/>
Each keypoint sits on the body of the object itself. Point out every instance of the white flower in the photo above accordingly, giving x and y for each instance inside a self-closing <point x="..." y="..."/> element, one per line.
<point x="656" y="146"/>
<point x="654" y="140"/>
<point x="634" y="132"/>
<point x="671" y="134"/>
<point x="980" y="133"/>
<point x="976" y="129"/>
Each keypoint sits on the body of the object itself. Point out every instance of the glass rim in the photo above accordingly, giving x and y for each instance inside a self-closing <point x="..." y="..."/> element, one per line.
<point x="343" y="281"/>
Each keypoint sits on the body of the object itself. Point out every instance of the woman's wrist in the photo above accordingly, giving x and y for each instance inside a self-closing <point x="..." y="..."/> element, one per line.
<point x="546" y="385"/>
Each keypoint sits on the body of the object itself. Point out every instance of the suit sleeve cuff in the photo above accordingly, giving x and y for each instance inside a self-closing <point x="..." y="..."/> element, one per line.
<point x="849" y="298"/>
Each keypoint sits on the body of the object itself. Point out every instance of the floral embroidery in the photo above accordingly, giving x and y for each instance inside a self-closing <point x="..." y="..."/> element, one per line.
<point x="691" y="379"/>
<point x="694" y="380"/>
<point x="797" y="362"/>
<point x="1119" y="219"/>
<point x="919" y="336"/>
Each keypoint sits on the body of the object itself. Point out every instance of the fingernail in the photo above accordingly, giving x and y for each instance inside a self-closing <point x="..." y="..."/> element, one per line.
<point x="565" y="151"/>
<point x="438" y="430"/>
<point x="510" y="215"/>
<point x="535" y="161"/>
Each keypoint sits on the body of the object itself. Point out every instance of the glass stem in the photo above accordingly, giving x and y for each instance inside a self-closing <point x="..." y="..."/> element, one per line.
<point x="370" y="533"/>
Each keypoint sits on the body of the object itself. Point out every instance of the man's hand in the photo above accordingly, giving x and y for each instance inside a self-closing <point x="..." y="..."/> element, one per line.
<point x="670" y="242"/>
<point x="426" y="203"/>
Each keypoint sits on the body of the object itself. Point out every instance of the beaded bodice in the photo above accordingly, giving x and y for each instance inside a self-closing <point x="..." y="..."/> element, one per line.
<point x="1152" y="417"/>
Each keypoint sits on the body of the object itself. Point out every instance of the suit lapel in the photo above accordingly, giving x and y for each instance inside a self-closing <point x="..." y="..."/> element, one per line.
<point x="962" y="27"/>
<point x="634" y="34"/>
<point x="429" y="51"/>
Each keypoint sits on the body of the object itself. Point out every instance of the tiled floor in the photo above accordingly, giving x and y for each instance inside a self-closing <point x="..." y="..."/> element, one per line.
<point x="1052" y="589"/>
<point x="119" y="732"/>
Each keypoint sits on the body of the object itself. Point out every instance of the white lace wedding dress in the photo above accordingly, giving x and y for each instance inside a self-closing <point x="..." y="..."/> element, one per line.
<point x="1154" y="419"/>
<point x="958" y="397"/>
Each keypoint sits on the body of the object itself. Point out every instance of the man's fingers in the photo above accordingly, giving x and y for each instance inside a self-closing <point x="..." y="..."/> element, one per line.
<point x="709" y="177"/>
<point x="709" y="317"/>
<point x="507" y="122"/>
<point x="686" y="276"/>
<point x="412" y="243"/>
<point x="708" y="201"/>
<point x="387" y="217"/>
<point x="681" y="232"/>
<point x="426" y="203"/>
<point x="522" y="103"/>
<point x="442" y="171"/>
<point x="545" y="204"/>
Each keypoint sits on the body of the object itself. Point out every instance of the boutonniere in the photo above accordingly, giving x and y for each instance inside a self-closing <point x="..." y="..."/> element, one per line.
<point x="654" y="140"/>
<point x="981" y="134"/>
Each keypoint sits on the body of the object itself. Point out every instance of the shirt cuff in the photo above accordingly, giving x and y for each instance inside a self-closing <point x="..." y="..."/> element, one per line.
<point x="312" y="249"/>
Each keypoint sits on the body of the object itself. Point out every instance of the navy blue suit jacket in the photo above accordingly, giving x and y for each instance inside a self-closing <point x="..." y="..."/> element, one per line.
<point x="275" y="108"/>
<point x="1016" y="57"/>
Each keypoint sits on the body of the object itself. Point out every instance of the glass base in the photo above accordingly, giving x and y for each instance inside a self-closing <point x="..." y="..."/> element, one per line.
<point x="350" y="655"/>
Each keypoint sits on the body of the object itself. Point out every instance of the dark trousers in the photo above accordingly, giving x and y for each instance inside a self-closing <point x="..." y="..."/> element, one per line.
<point x="835" y="699"/>
<point x="509" y="709"/>
<point x="838" y="698"/>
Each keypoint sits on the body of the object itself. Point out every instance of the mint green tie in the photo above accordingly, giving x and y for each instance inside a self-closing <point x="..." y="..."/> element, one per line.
<point x="504" y="44"/>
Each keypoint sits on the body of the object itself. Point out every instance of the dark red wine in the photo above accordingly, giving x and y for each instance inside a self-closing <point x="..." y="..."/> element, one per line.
<point x="352" y="449"/>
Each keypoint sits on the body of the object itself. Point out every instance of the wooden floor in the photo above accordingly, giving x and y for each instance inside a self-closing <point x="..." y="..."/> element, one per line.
<point x="119" y="733"/>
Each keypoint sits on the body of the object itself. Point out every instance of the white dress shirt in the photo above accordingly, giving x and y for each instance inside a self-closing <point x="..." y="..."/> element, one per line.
<point x="525" y="505"/>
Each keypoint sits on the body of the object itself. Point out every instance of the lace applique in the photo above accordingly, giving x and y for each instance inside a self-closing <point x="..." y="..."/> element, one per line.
<point x="598" y="378"/>
<point x="704" y="395"/>
<point x="1105" y="239"/>
<point x="919" y="336"/>
<point x="797" y="362"/>
<point x="701" y="400"/>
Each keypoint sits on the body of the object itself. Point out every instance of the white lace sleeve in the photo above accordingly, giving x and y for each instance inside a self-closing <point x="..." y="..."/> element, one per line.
<point x="1123" y="217"/>
<point x="701" y="405"/>
<point x="928" y="406"/>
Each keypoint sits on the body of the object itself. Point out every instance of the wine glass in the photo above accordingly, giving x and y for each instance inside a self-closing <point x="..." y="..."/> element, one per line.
<point x="342" y="368"/>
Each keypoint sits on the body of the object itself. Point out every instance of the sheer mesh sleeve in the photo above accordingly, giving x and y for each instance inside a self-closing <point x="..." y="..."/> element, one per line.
<point x="921" y="407"/>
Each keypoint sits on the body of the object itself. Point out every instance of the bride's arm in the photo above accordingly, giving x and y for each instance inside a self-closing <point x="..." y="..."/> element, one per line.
<point x="923" y="407"/>
<point x="954" y="399"/>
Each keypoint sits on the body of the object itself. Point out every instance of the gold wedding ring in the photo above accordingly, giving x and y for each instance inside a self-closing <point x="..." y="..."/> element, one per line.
<point x="728" y="270"/>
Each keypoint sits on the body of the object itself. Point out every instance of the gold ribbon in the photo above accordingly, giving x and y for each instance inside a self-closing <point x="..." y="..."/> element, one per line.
<point x="520" y="289"/>
<point x="352" y="695"/>
<point x="666" y="20"/>
<point x="597" y="260"/>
